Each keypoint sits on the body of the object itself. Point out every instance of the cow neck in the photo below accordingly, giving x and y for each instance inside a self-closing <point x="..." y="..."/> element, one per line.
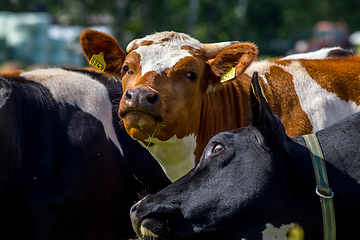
<point x="224" y="109"/>
<point x="168" y="153"/>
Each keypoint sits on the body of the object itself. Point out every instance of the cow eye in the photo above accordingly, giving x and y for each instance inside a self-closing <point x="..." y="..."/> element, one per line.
<point x="126" y="68"/>
<point x="191" y="75"/>
<point x="217" y="148"/>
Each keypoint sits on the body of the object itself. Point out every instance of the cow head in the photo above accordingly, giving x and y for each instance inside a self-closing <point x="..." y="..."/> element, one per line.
<point x="239" y="190"/>
<point x="165" y="77"/>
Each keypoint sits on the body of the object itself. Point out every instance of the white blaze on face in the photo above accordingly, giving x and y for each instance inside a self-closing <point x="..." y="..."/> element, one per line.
<point x="164" y="54"/>
<point x="79" y="90"/>
<point x="157" y="58"/>
<point x="176" y="156"/>
<point x="274" y="233"/>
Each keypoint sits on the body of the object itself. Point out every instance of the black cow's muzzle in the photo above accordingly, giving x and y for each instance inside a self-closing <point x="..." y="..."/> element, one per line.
<point x="149" y="222"/>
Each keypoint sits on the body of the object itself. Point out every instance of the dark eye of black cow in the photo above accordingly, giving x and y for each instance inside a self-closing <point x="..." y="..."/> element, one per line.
<point x="191" y="75"/>
<point x="217" y="148"/>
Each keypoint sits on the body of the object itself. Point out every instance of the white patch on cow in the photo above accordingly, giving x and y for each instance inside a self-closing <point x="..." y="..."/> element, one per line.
<point x="262" y="67"/>
<point x="79" y="90"/>
<point x="157" y="58"/>
<point x="274" y="233"/>
<point x="319" y="54"/>
<point x="164" y="54"/>
<point x="323" y="108"/>
<point x="167" y="153"/>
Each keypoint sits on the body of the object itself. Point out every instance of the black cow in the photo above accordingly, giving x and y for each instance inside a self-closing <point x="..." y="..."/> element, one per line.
<point x="68" y="169"/>
<point x="256" y="182"/>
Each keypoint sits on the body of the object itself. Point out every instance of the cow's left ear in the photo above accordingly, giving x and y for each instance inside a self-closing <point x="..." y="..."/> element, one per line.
<point x="238" y="56"/>
<point x="94" y="43"/>
<point x="263" y="119"/>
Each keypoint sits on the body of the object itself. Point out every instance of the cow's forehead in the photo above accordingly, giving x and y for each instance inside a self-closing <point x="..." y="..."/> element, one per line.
<point x="163" y="50"/>
<point x="165" y="38"/>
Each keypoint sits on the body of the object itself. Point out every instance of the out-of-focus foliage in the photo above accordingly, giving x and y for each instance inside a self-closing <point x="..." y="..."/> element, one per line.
<point x="259" y="21"/>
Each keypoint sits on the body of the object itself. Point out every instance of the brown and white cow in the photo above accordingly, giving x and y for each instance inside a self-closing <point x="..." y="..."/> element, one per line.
<point x="174" y="101"/>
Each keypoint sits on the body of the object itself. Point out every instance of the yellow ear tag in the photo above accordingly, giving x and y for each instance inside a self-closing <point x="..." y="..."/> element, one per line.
<point x="228" y="75"/>
<point x="97" y="60"/>
<point x="262" y="92"/>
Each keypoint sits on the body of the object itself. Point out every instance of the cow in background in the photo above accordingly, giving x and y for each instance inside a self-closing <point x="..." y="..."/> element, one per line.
<point x="257" y="183"/>
<point x="68" y="169"/>
<point x="174" y="101"/>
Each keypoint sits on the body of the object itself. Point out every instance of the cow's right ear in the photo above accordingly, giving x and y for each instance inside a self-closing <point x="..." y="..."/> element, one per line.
<point x="94" y="42"/>
<point x="263" y="119"/>
<point x="237" y="57"/>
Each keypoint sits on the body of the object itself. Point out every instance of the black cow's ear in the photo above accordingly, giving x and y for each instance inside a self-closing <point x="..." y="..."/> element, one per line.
<point x="262" y="117"/>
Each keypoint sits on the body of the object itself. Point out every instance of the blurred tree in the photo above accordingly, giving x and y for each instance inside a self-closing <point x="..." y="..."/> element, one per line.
<point x="209" y="21"/>
<point x="192" y="16"/>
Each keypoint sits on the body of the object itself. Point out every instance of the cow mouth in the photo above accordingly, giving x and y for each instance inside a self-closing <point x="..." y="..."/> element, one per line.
<point x="146" y="230"/>
<point x="140" y="120"/>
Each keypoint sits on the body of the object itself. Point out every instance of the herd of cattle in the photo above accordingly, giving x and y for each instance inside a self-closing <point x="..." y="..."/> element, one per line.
<point x="207" y="132"/>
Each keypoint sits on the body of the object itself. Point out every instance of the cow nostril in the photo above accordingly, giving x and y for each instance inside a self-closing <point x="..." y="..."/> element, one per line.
<point x="128" y="94"/>
<point x="152" y="98"/>
<point x="133" y="208"/>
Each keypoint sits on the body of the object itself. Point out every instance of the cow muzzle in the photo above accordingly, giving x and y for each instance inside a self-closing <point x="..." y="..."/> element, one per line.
<point x="139" y="228"/>
<point x="151" y="221"/>
<point x="139" y="108"/>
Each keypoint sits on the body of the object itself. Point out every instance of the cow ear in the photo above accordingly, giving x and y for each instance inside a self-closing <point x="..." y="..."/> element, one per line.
<point x="94" y="42"/>
<point x="263" y="119"/>
<point x="238" y="56"/>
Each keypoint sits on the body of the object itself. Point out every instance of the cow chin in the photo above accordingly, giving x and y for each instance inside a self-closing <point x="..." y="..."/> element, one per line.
<point x="145" y="233"/>
<point x="141" y="126"/>
<point x="140" y="121"/>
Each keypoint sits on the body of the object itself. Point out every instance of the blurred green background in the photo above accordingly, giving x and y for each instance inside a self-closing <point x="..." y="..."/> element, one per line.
<point x="46" y="32"/>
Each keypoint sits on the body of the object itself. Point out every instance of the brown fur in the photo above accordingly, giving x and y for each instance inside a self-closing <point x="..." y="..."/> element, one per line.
<point x="347" y="88"/>
<point x="186" y="108"/>
<point x="224" y="109"/>
<point x="284" y="102"/>
<point x="11" y="74"/>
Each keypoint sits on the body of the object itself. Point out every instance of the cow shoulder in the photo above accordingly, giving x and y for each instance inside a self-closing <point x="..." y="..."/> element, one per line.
<point x="79" y="90"/>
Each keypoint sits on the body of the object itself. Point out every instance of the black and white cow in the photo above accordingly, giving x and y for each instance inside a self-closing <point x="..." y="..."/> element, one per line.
<point x="68" y="169"/>
<point x="256" y="183"/>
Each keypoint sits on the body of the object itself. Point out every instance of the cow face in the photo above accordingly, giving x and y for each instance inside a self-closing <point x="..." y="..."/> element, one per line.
<point x="236" y="192"/>
<point x="165" y="77"/>
<point x="163" y="86"/>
